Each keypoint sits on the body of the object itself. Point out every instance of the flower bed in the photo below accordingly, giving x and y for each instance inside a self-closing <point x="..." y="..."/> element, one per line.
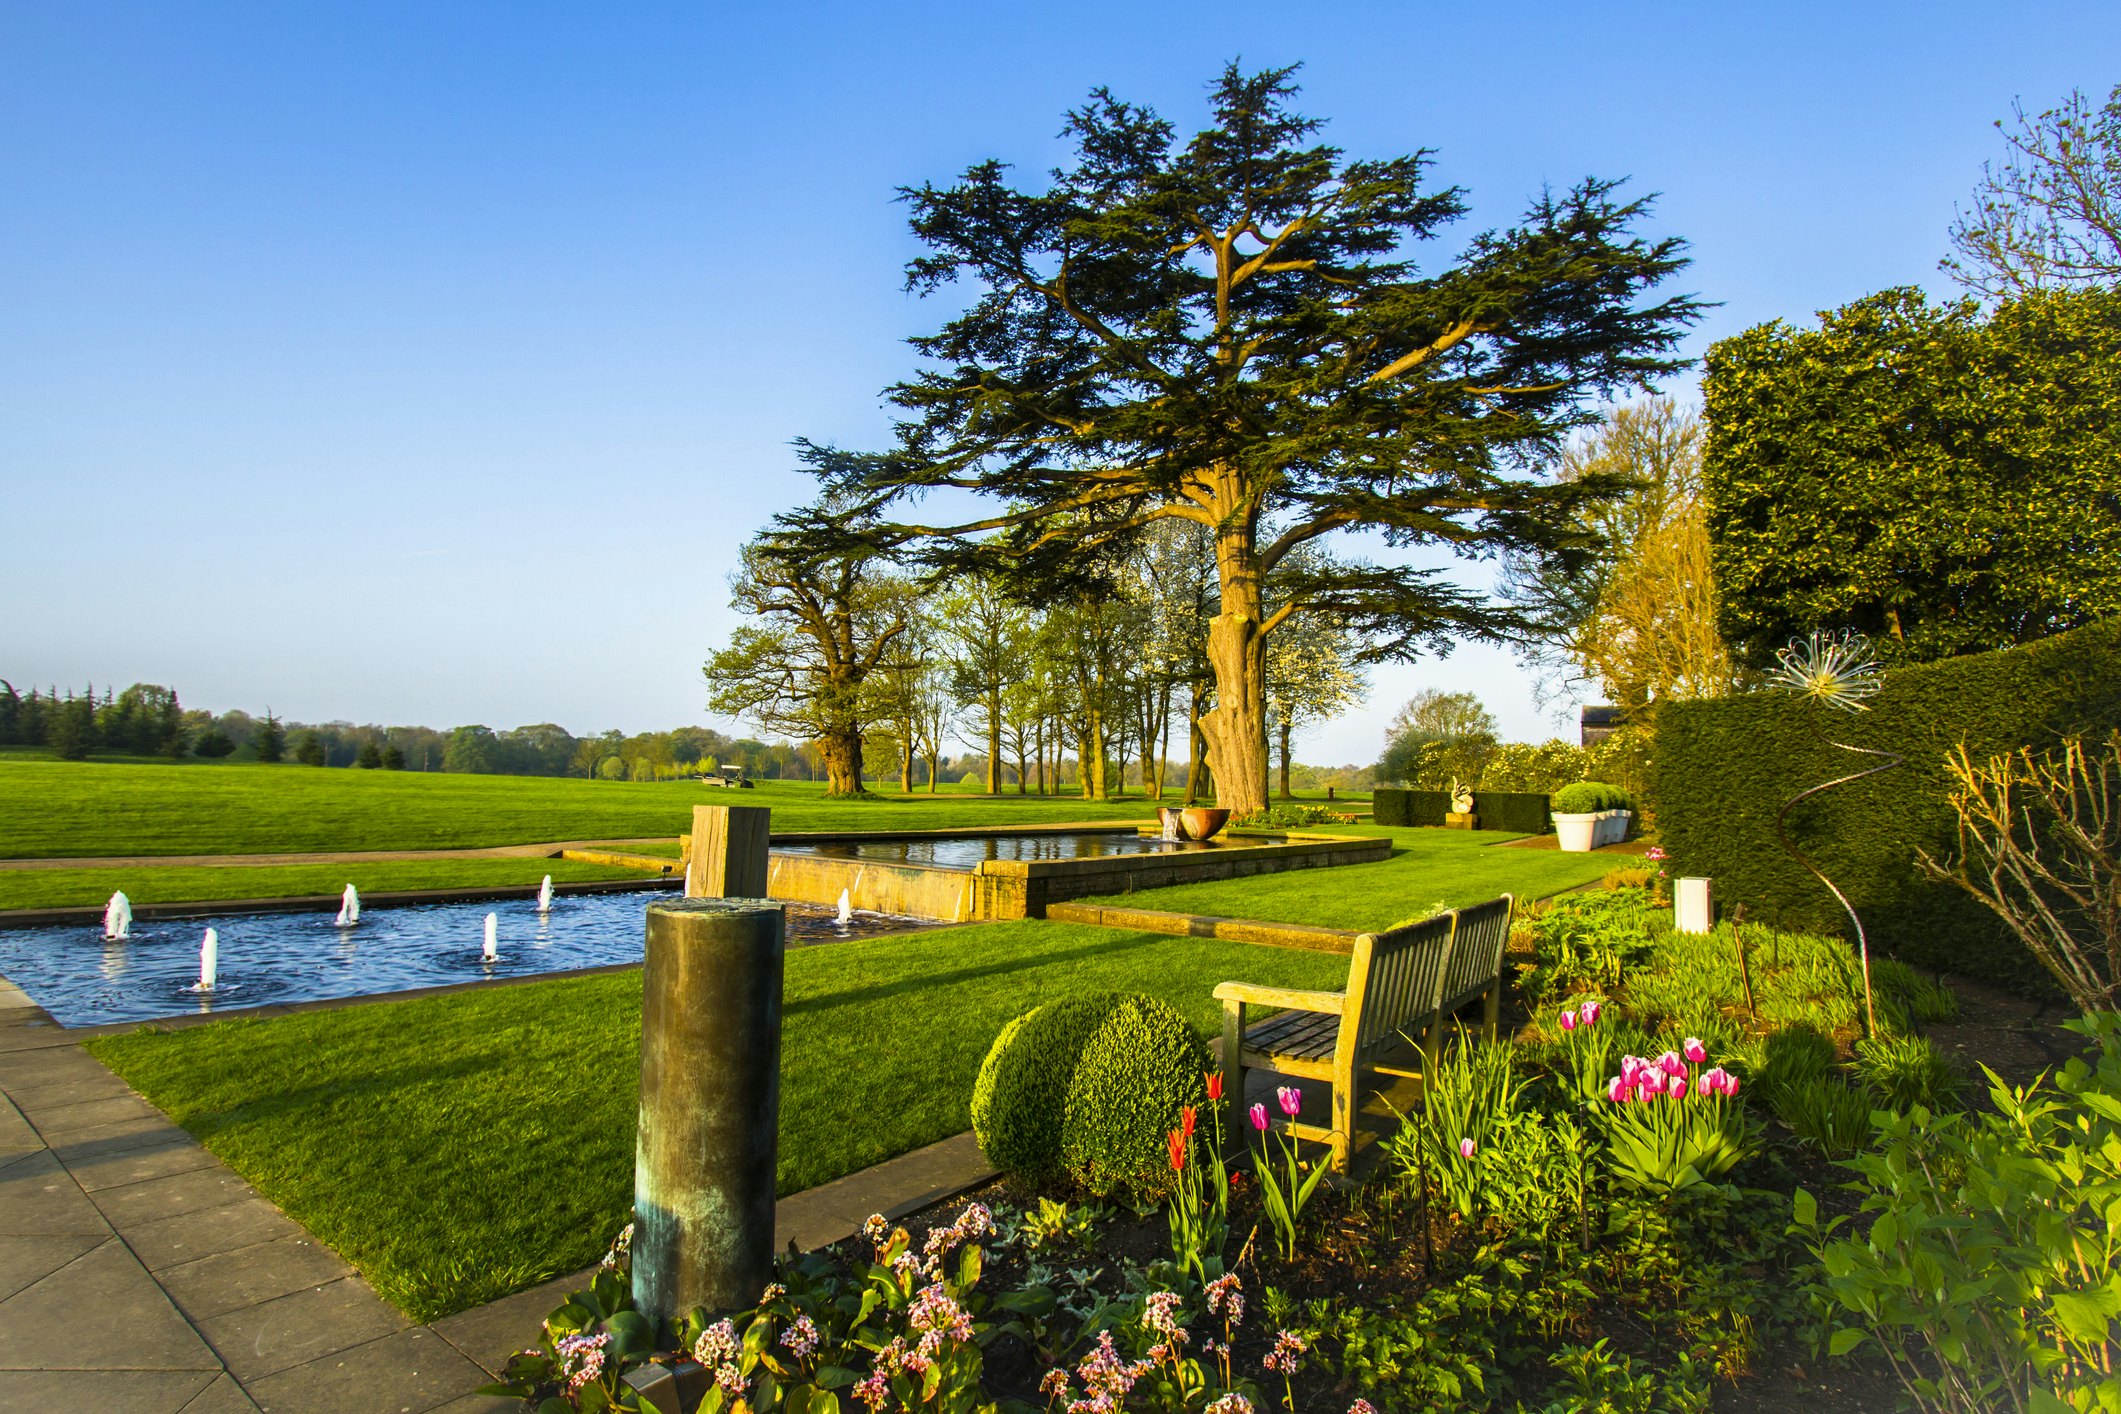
<point x="1598" y="1217"/>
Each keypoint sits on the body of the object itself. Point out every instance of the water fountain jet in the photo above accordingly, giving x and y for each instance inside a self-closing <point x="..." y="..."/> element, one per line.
<point x="349" y="908"/>
<point x="492" y="951"/>
<point x="846" y="908"/>
<point x="118" y="918"/>
<point x="545" y="895"/>
<point x="209" y="961"/>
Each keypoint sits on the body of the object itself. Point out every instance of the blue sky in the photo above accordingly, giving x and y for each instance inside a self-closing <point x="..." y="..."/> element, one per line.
<point x="428" y="363"/>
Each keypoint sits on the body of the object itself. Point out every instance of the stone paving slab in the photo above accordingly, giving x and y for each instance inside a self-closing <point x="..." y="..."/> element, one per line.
<point x="138" y="1273"/>
<point x="101" y="1311"/>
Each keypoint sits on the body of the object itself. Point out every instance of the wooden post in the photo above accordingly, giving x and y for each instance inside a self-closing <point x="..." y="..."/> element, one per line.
<point x="728" y="851"/>
<point x="703" y="1166"/>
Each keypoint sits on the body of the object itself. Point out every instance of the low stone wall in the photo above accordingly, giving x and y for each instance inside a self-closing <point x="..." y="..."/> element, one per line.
<point x="1011" y="888"/>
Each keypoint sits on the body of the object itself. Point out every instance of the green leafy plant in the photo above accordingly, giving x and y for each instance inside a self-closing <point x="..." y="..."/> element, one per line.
<point x="1593" y="1379"/>
<point x="1989" y="1268"/>
<point x="1289" y="817"/>
<point x="586" y="1346"/>
<point x="1137" y="1073"/>
<point x="1471" y="1088"/>
<point x="1906" y="1071"/>
<point x="1199" y="1205"/>
<point x="1831" y="1116"/>
<point x="1054" y="1223"/>
<point x="1588" y="797"/>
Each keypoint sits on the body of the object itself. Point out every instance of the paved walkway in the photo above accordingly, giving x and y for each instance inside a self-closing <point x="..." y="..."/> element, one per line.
<point x="137" y="1273"/>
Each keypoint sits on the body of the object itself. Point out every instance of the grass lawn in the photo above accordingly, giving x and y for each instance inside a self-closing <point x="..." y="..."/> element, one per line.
<point x="62" y="888"/>
<point x="1427" y="867"/>
<point x="459" y="1148"/>
<point x="56" y="809"/>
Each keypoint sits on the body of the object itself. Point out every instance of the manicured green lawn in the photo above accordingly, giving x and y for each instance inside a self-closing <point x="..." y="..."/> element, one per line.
<point x="1428" y="867"/>
<point x="54" y="808"/>
<point x="458" y="1148"/>
<point x="62" y="888"/>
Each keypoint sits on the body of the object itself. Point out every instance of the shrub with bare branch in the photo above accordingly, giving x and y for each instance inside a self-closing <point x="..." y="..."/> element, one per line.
<point x="2040" y="847"/>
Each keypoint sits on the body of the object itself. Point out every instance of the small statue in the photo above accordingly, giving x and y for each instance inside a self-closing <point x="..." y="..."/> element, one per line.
<point x="1461" y="797"/>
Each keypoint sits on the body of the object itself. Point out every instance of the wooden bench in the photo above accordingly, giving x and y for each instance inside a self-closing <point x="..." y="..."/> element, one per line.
<point x="1388" y="1021"/>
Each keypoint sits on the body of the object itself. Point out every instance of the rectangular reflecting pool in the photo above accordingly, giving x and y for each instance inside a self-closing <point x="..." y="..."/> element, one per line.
<point x="971" y="851"/>
<point x="267" y="958"/>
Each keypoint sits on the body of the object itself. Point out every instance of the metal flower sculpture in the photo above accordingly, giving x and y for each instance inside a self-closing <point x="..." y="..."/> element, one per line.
<point x="1833" y="670"/>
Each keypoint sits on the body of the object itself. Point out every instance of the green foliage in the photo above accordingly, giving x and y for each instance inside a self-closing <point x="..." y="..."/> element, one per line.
<point x="1392" y="806"/>
<point x="1906" y="1071"/>
<point x="1139" y="1067"/>
<point x="309" y="749"/>
<point x="1020" y="1099"/>
<point x="1725" y="767"/>
<point x="213" y="744"/>
<point x="1588" y="797"/>
<point x="1936" y="479"/>
<point x="1989" y="1267"/>
<point x="1831" y="1115"/>
<point x="1667" y="1146"/>
<point x="1473" y="1087"/>
<point x="1290" y="817"/>
<point x="1592" y="1379"/>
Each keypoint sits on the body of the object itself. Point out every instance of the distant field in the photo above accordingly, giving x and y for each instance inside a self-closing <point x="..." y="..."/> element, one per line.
<point x="1428" y="867"/>
<point x="56" y="809"/>
<point x="66" y="888"/>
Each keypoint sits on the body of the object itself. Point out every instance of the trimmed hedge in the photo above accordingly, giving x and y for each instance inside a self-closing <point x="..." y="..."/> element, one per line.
<point x="1522" y="811"/>
<point x="1409" y="808"/>
<point x="1144" y="1064"/>
<point x="1020" y="1097"/>
<point x="1726" y="766"/>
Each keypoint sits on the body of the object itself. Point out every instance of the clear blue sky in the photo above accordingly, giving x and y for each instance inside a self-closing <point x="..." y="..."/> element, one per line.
<point x="427" y="363"/>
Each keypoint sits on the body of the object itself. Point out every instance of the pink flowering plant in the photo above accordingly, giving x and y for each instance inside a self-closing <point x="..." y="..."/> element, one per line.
<point x="908" y="1331"/>
<point x="1161" y="1353"/>
<point x="1588" y="1037"/>
<point x="586" y="1347"/>
<point x="1673" y="1122"/>
<point x="1285" y="1187"/>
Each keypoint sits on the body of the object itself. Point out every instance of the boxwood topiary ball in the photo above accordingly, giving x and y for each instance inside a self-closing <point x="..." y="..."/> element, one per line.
<point x="1022" y="1090"/>
<point x="1141" y="1066"/>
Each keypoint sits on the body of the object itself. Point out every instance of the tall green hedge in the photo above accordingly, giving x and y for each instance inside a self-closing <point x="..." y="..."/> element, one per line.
<point x="1409" y="807"/>
<point x="1725" y="767"/>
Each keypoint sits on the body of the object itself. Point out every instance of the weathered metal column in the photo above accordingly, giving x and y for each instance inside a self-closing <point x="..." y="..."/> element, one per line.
<point x="703" y="1166"/>
<point x="728" y="851"/>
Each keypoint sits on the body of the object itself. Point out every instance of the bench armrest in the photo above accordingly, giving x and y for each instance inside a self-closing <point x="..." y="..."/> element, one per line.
<point x="1327" y="1002"/>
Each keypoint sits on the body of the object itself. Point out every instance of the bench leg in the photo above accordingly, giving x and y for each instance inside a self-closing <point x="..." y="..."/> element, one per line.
<point x="1492" y="1010"/>
<point x="1234" y="1136"/>
<point x="1343" y="1140"/>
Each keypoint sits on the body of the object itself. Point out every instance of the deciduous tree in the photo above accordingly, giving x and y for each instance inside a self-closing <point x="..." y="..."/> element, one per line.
<point x="2048" y="218"/>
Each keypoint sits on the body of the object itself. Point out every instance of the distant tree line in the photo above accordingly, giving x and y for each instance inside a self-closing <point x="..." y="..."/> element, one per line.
<point x="148" y="720"/>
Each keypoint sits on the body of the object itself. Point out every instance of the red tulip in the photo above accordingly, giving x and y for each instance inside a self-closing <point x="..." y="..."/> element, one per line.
<point x="1176" y="1142"/>
<point x="1186" y="1117"/>
<point x="1215" y="1087"/>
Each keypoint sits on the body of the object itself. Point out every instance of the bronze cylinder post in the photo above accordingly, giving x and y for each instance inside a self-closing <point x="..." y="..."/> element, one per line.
<point x="703" y="1167"/>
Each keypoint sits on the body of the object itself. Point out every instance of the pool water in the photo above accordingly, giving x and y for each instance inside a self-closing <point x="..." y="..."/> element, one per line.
<point x="297" y="957"/>
<point x="971" y="851"/>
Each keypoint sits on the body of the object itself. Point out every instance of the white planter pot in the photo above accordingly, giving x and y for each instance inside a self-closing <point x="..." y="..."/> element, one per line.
<point x="1578" y="833"/>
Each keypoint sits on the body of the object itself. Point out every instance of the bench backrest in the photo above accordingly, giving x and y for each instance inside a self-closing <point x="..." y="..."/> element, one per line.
<point x="1395" y="980"/>
<point x="1476" y="950"/>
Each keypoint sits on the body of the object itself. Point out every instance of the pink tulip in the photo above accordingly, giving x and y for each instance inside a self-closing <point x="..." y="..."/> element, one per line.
<point x="1568" y="1021"/>
<point x="1718" y="1082"/>
<point x="1465" y="1148"/>
<point x="1671" y="1064"/>
<point x="1631" y="1068"/>
<point x="1650" y="1081"/>
<point x="1590" y="1013"/>
<point x="1617" y="1090"/>
<point x="1678" y="1090"/>
<point x="1259" y="1118"/>
<point x="1695" y="1051"/>
<point x="1292" y="1099"/>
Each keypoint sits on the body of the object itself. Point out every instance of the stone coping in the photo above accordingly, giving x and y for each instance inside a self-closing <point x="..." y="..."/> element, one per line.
<point x="326" y="903"/>
<point x="962" y="832"/>
<point x="1207" y="925"/>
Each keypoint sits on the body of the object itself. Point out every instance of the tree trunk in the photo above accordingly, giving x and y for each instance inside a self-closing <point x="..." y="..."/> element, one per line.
<point x="1195" y="749"/>
<point x="905" y="766"/>
<point x="843" y="761"/>
<point x="1236" y="730"/>
<point x="1285" y="730"/>
<point x="994" y="742"/>
<point x="934" y="761"/>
